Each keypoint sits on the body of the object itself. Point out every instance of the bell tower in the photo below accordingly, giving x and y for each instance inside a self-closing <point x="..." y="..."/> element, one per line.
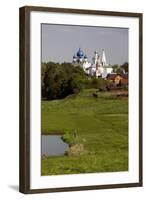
<point x="103" y="58"/>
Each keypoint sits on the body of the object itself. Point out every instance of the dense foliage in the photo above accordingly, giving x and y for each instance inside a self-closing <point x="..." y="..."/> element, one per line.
<point x="120" y="68"/>
<point x="60" y="80"/>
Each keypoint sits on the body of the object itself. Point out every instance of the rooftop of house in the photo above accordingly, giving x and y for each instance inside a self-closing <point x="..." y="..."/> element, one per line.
<point x="114" y="75"/>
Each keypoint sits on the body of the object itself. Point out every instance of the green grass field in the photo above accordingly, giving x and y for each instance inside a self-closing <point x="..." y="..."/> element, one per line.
<point x="102" y="129"/>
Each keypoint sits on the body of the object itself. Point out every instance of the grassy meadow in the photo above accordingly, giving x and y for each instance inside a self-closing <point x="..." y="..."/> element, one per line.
<point x="101" y="126"/>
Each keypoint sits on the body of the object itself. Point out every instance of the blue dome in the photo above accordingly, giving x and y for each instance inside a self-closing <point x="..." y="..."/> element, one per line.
<point x="80" y="53"/>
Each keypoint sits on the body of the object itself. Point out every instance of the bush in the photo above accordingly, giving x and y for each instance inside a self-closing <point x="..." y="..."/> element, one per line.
<point x="101" y="84"/>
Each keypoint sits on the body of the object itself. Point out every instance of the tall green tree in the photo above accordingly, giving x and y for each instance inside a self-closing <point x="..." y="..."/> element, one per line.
<point x="60" y="80"/>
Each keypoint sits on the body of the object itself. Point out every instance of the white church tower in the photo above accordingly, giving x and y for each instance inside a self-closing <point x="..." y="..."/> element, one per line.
<point x="103" y="59"/>
<point x="95" y="58"/>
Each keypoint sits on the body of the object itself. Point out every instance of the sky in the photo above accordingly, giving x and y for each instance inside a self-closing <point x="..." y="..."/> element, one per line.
<point x="61" y="42"/>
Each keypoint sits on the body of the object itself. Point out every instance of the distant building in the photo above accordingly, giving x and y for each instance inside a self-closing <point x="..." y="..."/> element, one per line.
<point x="98" y="67"/>
<point x="118" y="79"/>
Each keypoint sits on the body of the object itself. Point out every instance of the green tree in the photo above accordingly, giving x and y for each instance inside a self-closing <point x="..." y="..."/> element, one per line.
<point x="115" y="67"/>
<point x="60" y="80"/>
<point x="125" y="67"/>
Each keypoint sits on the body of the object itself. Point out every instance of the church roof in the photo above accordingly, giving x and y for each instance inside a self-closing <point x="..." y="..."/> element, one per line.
<point x="80" y="53"/>
<point x="107" y="66"/>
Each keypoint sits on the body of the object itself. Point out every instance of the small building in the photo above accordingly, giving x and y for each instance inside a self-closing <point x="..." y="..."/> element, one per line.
<point x="118" y="79"/>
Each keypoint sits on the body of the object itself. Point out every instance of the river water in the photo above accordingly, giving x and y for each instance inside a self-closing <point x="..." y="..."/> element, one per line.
<point x="53" y="145"/>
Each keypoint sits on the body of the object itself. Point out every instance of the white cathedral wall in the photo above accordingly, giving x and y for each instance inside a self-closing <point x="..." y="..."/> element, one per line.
<point x="109" y="70"/>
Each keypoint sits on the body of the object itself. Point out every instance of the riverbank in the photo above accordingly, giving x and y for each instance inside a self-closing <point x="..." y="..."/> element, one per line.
<point x="99" y="126"/>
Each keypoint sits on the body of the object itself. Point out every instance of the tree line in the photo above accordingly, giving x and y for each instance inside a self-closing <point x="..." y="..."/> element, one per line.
<point x="120" y="68"/>
<point x="60" y="80"/>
